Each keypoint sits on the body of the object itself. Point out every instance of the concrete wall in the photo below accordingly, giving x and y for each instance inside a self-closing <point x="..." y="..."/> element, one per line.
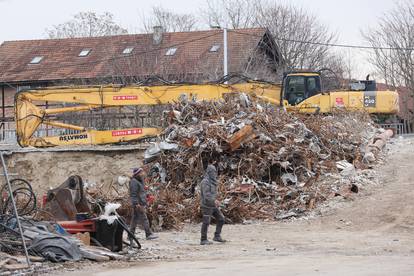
<point x="49" y="169"/>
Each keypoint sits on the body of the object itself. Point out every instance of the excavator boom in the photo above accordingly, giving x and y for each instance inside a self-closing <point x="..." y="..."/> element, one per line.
<point x="30" y="116"/>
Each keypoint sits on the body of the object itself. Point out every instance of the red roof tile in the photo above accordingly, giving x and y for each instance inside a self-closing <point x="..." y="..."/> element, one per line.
<point x="61" y="61"/>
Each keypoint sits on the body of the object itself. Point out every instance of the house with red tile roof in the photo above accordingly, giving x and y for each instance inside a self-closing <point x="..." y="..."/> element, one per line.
<point x="176" y="57"/>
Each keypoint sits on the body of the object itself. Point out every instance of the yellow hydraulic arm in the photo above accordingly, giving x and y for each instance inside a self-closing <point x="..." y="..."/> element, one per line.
<point x="30" y="115"/>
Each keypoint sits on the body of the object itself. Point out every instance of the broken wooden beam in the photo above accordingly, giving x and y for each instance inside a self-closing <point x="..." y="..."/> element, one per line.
<point x="244" y="135"/>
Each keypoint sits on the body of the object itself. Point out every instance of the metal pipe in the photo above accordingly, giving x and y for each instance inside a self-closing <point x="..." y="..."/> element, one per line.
<point x="225" y="69"/>
<point x="14" y="208"/>
<point x="47" y="126"/>
<point x="63" y="125"/>
<point x="69" y="109"/>
<point x="3" y="103"/>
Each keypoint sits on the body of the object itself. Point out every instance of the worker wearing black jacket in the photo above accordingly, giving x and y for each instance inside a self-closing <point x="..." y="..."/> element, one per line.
<point x="139" y="203"/>
<point x="209" y="205"/>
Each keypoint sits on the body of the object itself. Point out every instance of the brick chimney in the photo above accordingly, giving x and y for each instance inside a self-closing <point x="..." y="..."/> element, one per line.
<point x="157" y="35"/>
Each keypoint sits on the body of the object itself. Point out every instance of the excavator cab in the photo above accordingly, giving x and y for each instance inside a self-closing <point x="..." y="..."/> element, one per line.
<point x="298" y="87"/>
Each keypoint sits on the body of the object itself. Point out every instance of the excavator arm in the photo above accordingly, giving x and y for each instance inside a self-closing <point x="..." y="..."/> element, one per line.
<point x="30" y="111"/>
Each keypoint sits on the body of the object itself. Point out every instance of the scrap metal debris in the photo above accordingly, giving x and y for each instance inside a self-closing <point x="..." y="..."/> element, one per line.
<point x="65" y="231"/>
<point x="46" y="241"/>
<point x="24" y="196"/>
<point x="269" y="161"/>
<point x="272" y="164"/>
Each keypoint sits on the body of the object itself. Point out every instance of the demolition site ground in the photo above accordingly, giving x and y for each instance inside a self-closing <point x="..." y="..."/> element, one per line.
<point x="369" y="233"/>
<point x="322" y="194"/>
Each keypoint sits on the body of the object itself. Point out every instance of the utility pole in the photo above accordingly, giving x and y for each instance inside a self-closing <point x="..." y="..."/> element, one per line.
<point x="225" y="70"/>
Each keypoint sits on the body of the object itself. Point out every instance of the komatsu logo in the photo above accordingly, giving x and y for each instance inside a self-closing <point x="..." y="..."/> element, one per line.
<point x="73" y="137"/>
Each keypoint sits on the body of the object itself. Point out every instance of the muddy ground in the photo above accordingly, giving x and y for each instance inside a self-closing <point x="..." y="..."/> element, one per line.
<point x="371" y="233"/>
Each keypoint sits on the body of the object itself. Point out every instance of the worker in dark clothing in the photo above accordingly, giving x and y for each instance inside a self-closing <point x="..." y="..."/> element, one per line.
<point x="209" y="205"/>
<point x="139" y="203"/>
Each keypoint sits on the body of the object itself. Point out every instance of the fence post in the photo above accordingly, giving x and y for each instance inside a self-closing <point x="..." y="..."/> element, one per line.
<point x="3" y="106"/>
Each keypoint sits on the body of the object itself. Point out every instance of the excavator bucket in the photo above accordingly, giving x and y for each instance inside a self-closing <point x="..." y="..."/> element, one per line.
<point x="65" y="201"/>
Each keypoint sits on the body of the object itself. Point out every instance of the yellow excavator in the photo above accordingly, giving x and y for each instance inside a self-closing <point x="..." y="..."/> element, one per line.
<point x="298" y="92"/>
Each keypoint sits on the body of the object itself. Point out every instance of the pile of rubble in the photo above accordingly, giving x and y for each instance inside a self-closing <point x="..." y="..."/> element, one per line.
<point x="269" y="161"/>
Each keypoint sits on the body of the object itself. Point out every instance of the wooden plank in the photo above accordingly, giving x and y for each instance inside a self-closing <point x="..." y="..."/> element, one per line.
<point x="242" y="136"/>
<point x="85" y="238"/>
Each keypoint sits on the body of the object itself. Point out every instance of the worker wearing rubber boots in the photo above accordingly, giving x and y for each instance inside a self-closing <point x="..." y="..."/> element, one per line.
<point x="139" y="202"/>
<point x="209" y="205"/>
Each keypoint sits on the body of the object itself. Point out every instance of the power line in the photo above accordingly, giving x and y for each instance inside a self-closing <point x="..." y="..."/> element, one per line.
<point x="331" y="44"/>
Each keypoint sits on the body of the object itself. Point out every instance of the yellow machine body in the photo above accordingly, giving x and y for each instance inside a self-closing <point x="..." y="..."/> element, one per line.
<point x="375" y="102"/>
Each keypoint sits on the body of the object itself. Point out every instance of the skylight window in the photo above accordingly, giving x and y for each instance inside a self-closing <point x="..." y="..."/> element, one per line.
<point x="127" y="50"/>
<point x="84" y="52"/>
<point x="215" y="48"/>
<point x="36" y="60"/>
<point x="171" y="51"/>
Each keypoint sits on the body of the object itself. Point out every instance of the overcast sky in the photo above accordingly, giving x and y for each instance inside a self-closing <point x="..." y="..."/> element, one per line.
<point x="28" y="19"/>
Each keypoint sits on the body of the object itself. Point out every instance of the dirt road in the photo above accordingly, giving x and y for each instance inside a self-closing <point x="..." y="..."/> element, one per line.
<point x="373" y="234"/>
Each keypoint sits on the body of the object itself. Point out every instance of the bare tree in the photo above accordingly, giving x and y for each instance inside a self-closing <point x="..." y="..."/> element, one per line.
<point x="393" y="53"/>
<point x="300" y="36"/>
<point x="233" y="14"/>
<point x="394" y="31"/>
<point x="170" y="21"/>
<point x="86" y="24"/>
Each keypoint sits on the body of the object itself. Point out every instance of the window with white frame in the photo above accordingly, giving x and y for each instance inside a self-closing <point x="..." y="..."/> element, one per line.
<point x="36" y="60"/>
<point x="171" y="51"/>
<point x="84" y="52"/>
<point x="127" y="50"/>
<point x="215" y="48"/>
